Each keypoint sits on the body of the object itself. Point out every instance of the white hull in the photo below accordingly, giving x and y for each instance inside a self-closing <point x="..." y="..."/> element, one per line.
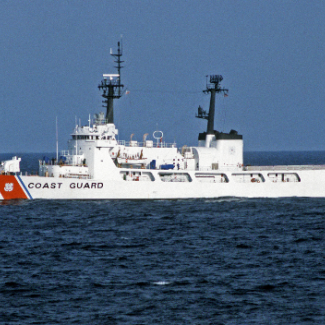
<point x="311" y="184"/>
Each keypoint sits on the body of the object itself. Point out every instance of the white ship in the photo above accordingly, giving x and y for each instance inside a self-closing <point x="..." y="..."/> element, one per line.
<point x="98" y="166"/>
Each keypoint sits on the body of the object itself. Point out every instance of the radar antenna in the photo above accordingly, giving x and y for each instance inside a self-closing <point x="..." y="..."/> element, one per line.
<point x="111" y="86"/>
<point x="213" y="87"/>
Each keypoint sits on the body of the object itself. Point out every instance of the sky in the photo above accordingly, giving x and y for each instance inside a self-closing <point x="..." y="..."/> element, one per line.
<point x="271" y="55"/>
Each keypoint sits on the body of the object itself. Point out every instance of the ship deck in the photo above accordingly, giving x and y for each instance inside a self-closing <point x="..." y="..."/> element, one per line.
<point x="284" y="167"/>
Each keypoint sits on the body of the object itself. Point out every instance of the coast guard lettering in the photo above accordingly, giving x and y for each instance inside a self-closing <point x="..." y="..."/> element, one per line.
<point x="71" y="185"/>
<point x="86" y="185"/>
<point x="45" y="185"/>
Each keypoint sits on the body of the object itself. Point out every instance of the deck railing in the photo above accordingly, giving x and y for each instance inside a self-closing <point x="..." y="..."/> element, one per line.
<point x="285" y="167"/>
<point x="143" y="144"/>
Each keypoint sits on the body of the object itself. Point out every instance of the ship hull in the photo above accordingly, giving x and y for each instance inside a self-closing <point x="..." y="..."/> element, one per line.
<point x="311" y="184"/>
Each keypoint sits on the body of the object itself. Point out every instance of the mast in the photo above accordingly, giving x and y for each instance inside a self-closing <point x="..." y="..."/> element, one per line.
<point x="111" y="86"/>
<point x="213" y="88"/>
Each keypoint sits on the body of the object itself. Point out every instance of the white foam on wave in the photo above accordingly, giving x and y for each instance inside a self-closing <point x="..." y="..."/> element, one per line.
<point x="161" y="283"/>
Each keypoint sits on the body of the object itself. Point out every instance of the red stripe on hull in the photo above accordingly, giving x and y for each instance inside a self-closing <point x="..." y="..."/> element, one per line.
<point x="10" y="188"/>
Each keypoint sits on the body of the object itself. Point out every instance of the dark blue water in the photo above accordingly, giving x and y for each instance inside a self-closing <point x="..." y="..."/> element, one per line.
<point x="223" y="261"/>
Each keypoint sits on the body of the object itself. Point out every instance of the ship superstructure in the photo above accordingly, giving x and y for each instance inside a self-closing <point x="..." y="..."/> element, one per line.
<point x="96" y="165"/>
<point x="95" y="153"/>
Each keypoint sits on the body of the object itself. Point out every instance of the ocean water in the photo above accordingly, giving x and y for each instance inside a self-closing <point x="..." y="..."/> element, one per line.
<point x="222" y="261"/>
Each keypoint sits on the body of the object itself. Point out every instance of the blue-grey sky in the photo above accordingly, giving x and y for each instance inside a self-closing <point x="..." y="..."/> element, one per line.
<point x="270" y="53"/>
